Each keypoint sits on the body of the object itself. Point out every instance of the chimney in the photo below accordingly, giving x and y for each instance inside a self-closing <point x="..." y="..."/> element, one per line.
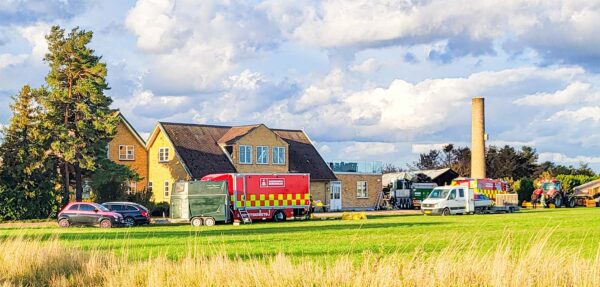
<point x="478" y="138"/>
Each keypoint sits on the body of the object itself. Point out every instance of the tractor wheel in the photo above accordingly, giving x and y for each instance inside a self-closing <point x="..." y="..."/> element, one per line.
<point x="196" y="221"/>
<point x="558" y="201"/>
<point x="446" y="211"/>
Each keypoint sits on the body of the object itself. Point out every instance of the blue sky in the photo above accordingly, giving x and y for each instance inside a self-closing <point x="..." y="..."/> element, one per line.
<point x="367" y="80"/>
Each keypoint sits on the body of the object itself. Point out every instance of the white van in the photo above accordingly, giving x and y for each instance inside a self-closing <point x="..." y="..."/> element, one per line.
<point x="446" y="200"/>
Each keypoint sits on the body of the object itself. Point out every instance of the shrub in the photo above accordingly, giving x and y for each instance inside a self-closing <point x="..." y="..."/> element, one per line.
<point x="159" y="209"/>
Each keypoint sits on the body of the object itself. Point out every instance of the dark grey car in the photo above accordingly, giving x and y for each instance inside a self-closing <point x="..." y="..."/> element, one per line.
<point x="133" y="213"/>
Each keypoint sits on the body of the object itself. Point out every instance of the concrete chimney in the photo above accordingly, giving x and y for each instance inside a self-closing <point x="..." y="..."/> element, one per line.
<point x="478" y="138"/>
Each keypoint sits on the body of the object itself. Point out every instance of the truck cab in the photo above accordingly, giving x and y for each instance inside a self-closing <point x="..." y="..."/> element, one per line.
<point x="446" y="200"/>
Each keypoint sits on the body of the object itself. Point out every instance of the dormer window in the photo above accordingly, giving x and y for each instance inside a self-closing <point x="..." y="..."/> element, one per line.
<point x="262" y="155"/>
<point x="245" y="154"/>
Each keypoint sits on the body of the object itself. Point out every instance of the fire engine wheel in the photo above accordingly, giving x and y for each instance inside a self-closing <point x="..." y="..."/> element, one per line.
<point x="279" y="216"/>
<point x="196" y="221"/>
<point x="209" y="221"/>
<point x="446" y="211"/>
<point x="64" y="223"/>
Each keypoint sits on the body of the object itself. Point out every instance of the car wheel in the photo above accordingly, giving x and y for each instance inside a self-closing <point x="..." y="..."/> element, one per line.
<point x="105" y="223"/>
<point x="209" y="221"/>
<point x="129" y="221"/>
<point x="196" y="221"/>
<point x="446" y="211"/>
<point x="279" y="216"/>
<point x="64" y="222"/>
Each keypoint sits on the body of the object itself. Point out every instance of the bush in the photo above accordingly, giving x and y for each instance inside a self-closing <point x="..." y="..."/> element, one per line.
<point x="524" y="188"/>
<point x="158" y="209"/>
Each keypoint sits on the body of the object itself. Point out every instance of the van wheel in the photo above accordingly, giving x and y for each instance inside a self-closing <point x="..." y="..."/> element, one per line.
<point x="446" y="211"/>
<point x="209" y="221"/>
<point x="64" y="223"/>
<point x="105" y="223"/>
<point x="196" y="221"/>
<point x="279" y="216"/>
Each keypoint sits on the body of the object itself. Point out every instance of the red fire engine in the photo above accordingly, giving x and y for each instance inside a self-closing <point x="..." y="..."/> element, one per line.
<point x="257" y="196"/>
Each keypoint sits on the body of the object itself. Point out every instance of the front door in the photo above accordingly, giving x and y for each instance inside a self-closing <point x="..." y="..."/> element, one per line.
<point x="335" y="195"/>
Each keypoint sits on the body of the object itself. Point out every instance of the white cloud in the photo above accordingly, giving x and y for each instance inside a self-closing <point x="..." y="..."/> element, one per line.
<point x="367" y="66"/>
<point x="425" y="148"/>
<point x="561" y="158"/>
<point x="7" y="60"/>
<point x="193" y="45"/>
<point x="577" y="116"/>
<point x="574" y="92"/>
<point x="362" y="150"/>
<point x="35" y="35"/>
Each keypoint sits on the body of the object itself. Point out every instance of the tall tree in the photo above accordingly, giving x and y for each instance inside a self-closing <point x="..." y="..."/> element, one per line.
<point x="78" y="112"/>
<point x="27" y="172"/>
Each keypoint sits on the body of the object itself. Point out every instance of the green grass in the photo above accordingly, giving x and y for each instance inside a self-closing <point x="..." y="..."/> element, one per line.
<point x="575" y="230"/>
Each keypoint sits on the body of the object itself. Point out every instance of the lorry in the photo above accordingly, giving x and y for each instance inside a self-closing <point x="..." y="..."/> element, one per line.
<point x="246" y="197"/>
<point x="453" y="199"/>
<point x="263" y="196"/>
<point x="406" y="194"/>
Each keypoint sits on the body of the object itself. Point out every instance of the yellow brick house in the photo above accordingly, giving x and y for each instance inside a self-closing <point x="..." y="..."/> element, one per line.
<point x="128" y="148"/>
<point x="178" y="151"/>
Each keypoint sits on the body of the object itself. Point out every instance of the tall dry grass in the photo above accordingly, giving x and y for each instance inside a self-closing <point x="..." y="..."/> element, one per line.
<point x="30" y="262"/>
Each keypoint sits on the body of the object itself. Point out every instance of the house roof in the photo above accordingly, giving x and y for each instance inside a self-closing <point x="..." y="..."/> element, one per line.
<point x="235" y="133"/>
<point x="198" y="148"/>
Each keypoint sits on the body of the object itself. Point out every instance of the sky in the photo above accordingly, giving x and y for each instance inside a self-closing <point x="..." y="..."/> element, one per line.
<point x="367" y="80"/>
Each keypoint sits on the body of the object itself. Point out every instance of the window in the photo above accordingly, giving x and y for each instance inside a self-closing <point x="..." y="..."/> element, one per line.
<point x="452" y="194"/>
<point x="130" y="208"/>
<point x="86" y="207"/>
<point x="74" y="207"/>
<point x="262" y="155"/>
<point x="279" y="155"/>
<point x="361" y="189"/>
<point x="107" y="151"/>
<point x="150" y="186"/>
<point x="131" y="187"/>
<point x="126" y="152"/>
<point x="461" y="193"/>
<point x="163" y="154"/>
<point x="166" y="188"/>
<point x="246" y="154"/>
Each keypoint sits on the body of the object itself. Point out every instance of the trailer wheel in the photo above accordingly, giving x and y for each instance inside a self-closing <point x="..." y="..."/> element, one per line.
<point x="571" y="202"/>
<point x="279" y="216"/>
<point x="209" y="221"/>
<point x="446" y="211"/>
<point x="196" y="221"/>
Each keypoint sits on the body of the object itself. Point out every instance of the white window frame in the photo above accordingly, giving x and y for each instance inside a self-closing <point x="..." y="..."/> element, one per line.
<point x="359" y="193"/>
<point x="246" y="156"/>
<point x="127" y="155"/>
<point x="266" y="149"/>
<point x="108" y="151"/>
<point x="131" y="187"/>
<point x="163" y="151"/>
<point x="280" y="159"/>
<point x="166" y="189"/>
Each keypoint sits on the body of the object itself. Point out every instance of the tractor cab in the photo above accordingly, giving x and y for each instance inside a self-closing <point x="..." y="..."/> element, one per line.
<point x="551" y="187"/>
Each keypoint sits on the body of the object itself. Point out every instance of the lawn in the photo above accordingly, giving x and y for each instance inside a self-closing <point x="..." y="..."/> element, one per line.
<point x="571" y="230"/>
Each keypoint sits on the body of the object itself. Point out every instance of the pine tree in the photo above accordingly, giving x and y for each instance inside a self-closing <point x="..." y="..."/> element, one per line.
<point x="27" y="173"/>
<point x="78" y="112"/>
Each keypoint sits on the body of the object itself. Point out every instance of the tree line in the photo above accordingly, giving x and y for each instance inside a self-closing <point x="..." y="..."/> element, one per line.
<point x="59" y="132"/>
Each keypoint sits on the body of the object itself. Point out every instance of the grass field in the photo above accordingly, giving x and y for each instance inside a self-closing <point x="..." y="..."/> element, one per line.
<point x="559" y="247"/>
<point x="573" y="230"/>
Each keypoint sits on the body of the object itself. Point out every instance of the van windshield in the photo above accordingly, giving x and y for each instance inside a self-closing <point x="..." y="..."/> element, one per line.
<point x="439" y="193"/>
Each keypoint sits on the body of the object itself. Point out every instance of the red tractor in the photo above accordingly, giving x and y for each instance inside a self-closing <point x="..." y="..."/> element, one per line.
<point x="552" y="193"/>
